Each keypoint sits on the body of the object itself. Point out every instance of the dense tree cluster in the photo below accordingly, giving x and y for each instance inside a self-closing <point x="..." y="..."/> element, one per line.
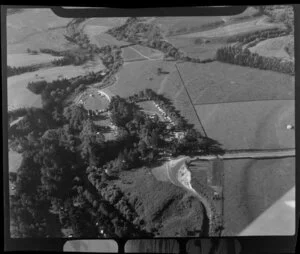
<point x="51" y="52"/>
<point x="37" y="87"/>
<point x="111" y="57"/>
<point x="239" y="56"/>
<point x="12" y="71"/>
<point x="257" y="36"/>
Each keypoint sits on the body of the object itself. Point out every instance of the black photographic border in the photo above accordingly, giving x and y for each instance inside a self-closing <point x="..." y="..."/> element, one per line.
<point x="281" y="243"/>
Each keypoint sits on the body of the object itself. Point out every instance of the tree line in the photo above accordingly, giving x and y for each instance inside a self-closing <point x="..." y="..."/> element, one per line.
<point x="257" y="36"/>
<point x="239" y="56"/>
<point x="12" y="71"/>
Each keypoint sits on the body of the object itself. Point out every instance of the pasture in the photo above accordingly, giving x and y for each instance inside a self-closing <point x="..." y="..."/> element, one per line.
<point x="95" y="28"/>
<point x="22" y="24"/>
<point x="20" y="96"/>
<point x="24" y="59"/>
<point x="193" y="47"/>
<point x="274" y="47"/>
<point x="14" y="161"/>
<point x="252" y="25"/>
<point x="182" y="25"/>
<point x="251" y="187"/>
<point x="131" y="55"/>
<point x="221" y="82"/>
<point x="104" y="39"/>
<point x="46" y="30"/>
<point x="51" y="39"/>
<point x="250" y="125"/>
<point x="148" y="52"/>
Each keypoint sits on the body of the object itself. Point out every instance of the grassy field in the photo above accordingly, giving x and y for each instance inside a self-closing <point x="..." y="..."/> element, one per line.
<point x="22" y="24"/>
<point x="104" y="39"/>
<point x="251" y="186"/>
<point x="161" y="203"/>
<point x="45" y="30"/>
<point x="250" y="125"/>
<point x="24" y="59"/>
<point x="51" y="39"/>
<point x="274" y="47"/>
<point x="95" y="28"/>
<point x="138" y="76"/>
<point x="149" y="52"/>
<point x="179" y="25"/>
<point x="20" y="96"/>
<point x="130" y="55"/>
<point x="14" y="161"/>
<point x="220" y="82"/>
<point x="256" y="24"/>
<point x="195" y="49"/>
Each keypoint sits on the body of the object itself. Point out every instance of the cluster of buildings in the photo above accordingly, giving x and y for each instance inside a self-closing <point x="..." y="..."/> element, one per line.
<point x="164" y="114"/>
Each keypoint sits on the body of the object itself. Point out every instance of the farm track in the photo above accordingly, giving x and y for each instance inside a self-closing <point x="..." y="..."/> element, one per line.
<point x="259" y="154"/>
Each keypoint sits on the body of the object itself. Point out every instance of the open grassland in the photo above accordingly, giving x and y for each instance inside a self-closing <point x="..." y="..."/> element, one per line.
<point x="131" y="55"/>
<point x="220" y="82"/>
<point x="138" y="76"/>
<point x="180" y="25"/>
<point x="96" y="27"/>
<point x="45" y="30"/>
<point x="250" y="125"/>
<point x="51" y="39"/>
<point x="161" y="204"/>
<point x="20" y="96"/>
<point x="195" y="48"/>
<point x="14" y="161"/>
<point x="148" y="52"/>
<point x="24" y="59"/>
<point x="31" y="21"/>
<point x="251" y="186"/>
<point x="274" y="47"/>
<point x="104" y="39"/>
<point x="256" y="24"/>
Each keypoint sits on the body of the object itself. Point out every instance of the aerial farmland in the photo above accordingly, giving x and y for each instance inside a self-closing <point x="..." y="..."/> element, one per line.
<point x="149" y="126"/>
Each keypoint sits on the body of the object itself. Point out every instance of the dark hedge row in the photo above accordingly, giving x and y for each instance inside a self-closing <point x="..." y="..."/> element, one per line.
<point x="11" y="71"/>
<point x="239" y="56"/>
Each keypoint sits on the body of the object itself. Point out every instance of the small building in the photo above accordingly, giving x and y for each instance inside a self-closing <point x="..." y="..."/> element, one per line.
<point x="290" y="127"/>
<point x="179" y="134"/>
